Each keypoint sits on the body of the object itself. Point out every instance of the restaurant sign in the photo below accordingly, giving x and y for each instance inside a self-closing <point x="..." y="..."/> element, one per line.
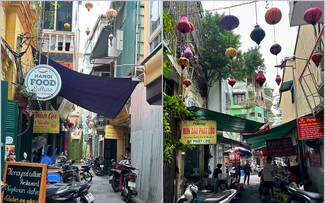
<point x="199" y="132"/>
<point x="280" y="147"/>
<point x="311" y="127"/>
<point x="46" y="122"/>
<point x="114" y="132"/>
<point x="43" y="80"/>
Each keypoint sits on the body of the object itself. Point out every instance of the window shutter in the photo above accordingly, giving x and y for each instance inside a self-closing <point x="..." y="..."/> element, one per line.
<point x="12" y="122"/>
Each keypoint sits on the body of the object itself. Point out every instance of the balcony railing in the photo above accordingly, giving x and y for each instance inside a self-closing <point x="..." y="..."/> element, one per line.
<point x="57" y="41"/>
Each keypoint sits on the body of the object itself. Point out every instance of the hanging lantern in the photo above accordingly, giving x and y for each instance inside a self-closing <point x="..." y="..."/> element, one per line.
<point x="229" y="22"/>
<point x="275" y="49"/>
<point x="231" y="53"/>
<point x="89" y="6"/>
<point x="232" y="81"/>
<point x="192" y="27"/>
<point x="183" y="62"/>
<point x="317" y="57"/>
<point x="278" y="79"/>
<point x="187" y="82"/>
<point x="188" y="53"/>
<point x="258" y="34"/>
<point x="66" y="26"/>
<point x="111" y="13"/>
<point x="183" y="25"/>
<point x="273" y="16"/>
<point x="313" y="15"/>
<point x="260" y="78"/>
<point x="87" y="31"/>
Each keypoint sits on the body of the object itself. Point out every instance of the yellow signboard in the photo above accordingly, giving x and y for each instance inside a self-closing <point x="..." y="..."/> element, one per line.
<point x="114" y="132"/>
<point x="199" y="132"/>
<point x="46" y="122"/>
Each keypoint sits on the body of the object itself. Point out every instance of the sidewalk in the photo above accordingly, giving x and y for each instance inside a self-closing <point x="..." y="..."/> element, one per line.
<point x="250" y="193"/>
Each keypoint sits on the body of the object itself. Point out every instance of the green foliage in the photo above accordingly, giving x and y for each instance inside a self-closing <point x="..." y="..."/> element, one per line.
<point x="215" y="42"/>
<point x="167" y="66"/>
<point x="174" y="108"/>
<point x="168" y="24"/>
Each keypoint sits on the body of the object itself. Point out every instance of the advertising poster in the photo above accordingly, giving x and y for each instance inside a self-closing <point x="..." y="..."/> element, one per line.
<point x="280" y="147"/>
<point x="46" y="122"/>
<point x="199" y="132"/>
<point x="311" y="127"/>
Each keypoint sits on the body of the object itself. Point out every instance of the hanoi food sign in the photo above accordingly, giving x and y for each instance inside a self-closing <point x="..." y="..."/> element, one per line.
<point x="43" y="80"/>
<point x="199" y="132"/>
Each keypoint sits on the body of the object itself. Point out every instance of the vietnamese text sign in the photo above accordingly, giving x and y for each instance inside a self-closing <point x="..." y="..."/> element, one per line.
<point x="46" y="122"/>
<point x="26" y="182"/>
<point x="311" y="127"/>
<point x="114" y="132"/>
<point x="280" y="147"/>
<point x="199" y="132"/>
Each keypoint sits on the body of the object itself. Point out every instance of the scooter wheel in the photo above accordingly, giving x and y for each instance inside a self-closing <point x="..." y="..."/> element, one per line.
<point x="88" y="176"/>
<point x="115" y="184"/>
<point x="128" y="196"/>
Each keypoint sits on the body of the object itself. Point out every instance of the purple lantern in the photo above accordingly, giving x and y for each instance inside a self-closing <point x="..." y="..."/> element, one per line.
<point x="278" y="79"/>
<point x="313" y="15"/>
<point x="183" y="25"/>
<point x="258" y="34"/>
<point x="275" y="49"/>
<point x="188" y="53"/>
<point x="229" y="22"/>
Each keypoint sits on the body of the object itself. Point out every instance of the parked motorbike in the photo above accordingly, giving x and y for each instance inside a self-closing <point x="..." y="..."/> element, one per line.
<point x="116" y="176"/>
<point x="70" y="173"/>
<point x="297" y="195"/>
<point x="62" y="192"/>
<point x="129" y="182"/>
<point x="98" y="166"/>
<point x="189" y="194"/>
<point x="85" y="173"/>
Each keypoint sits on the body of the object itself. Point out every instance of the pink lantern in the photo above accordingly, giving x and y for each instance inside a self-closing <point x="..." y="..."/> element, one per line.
<point x="183" y="25"/>
<point x="313" y="15"/>
<point x="278" y="79"/>
<point x="188" y="53"/>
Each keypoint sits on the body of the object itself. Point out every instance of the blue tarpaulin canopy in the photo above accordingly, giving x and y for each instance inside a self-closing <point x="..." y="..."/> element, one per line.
<point x="102" y="95"/>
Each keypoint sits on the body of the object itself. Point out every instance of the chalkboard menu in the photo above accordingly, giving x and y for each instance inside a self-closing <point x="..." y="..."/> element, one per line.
<point x="26" y="182"/>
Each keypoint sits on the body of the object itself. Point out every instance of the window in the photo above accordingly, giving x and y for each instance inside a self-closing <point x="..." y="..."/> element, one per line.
<point x="56" y="14"/>
<point x="239" y="98"/>
<point x="155" y="24"/>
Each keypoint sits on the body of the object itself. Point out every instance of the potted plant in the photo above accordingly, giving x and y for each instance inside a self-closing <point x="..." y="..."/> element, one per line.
<point x="23" y="96"/>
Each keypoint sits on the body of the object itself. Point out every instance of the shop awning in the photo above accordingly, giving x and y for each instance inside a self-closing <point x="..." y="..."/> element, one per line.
<point x="259" y="140"/>
<point x="103" y="95"/>
<point x="226" y="122"/>
<point x="234" y="143"/>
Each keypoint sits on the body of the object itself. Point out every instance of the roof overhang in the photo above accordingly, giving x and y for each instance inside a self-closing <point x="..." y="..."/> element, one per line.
<point x="100" y="50"/>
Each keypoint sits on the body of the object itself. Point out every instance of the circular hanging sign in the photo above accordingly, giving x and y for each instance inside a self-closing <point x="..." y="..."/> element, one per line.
<point x="44" y="80"/>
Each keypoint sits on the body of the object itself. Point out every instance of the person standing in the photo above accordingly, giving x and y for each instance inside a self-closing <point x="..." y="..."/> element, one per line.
<point x="268" y="177"/>
<point x="217" y="171"/>
<point x="247" y="171"/>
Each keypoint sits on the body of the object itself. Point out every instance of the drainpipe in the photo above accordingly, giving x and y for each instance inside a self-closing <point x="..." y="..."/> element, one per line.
<point x="136" y="32"/>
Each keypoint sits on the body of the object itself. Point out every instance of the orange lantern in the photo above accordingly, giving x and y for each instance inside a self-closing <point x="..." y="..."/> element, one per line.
<point x="87" y="31"/>
<point x="231" y="53"/>
<point x="89" y="6"/>
<point x="191" y="26"/>
<point x="273" y="16"/>
<point x="111" y="13"/>
<point x="187" y="82"/>
<point x="183" y="62"/>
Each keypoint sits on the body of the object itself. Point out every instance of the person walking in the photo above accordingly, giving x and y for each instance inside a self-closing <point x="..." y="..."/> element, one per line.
<point x="247" y="171"/>
<point x="268" y="177"/>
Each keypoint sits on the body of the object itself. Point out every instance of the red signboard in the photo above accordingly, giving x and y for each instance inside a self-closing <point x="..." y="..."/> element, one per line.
<point x="311" y="127"/>
<point x="234" y="158"/>
<point x="280" y="147"/>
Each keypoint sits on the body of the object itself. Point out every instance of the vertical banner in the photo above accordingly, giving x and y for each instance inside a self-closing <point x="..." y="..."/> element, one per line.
<point x="199" y="132"/>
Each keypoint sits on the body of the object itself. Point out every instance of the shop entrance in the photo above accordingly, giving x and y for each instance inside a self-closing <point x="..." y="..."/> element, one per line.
<point x="110" y="149"/>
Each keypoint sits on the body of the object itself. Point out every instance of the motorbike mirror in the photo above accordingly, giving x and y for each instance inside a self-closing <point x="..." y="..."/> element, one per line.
<point x="25" y="155"/>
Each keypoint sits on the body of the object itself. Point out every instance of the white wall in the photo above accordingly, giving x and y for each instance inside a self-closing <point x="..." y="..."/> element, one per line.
<point x="146" y="145"/>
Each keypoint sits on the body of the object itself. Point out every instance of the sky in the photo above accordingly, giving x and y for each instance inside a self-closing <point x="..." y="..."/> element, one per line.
<point x="284" y="34"/>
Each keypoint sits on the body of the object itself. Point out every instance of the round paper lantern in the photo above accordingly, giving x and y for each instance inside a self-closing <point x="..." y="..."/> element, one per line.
<point x="273" y="16"/>
<point x="231" y="53"/>
<point x="232" y="81"/>
<point x="317" y="57"/>
<point x="260" y="78"/>
<point x="87" y="31"/>
<point x="275" y="49"/>
<point x="183" y="25"/>
<point x="229" y="22"/>
<point x="278" y="79"/>
<point x="258" y="34"/>
<point x="187" y="82"/>
<point x="192" y="27"/>
<point x="89" y="6"/>
<point x="188" y="53"/>
<point x="313" y="15"/>
<point x="111" y="13"/>
<point x="66" y="26"/>
<point x="183" y="62"/>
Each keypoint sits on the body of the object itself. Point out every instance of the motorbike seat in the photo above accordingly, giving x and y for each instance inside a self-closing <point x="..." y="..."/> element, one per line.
<point x="129" y="167"/>
<point x="85" y="166"/>
<point x="311" y="195"/>
<point x="218" y="197"/>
